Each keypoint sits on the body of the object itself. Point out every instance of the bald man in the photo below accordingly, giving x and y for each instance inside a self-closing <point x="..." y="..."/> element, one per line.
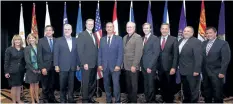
<point x="190" y="59"/>
<point x="133" y="46"/>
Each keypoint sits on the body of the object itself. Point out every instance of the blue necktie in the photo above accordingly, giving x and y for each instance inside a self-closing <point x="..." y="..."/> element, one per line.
<point x="109" y="41"/>
<point x="51" y="44"/>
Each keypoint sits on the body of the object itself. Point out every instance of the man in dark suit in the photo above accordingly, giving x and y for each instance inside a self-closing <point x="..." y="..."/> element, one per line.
<point x="110" y="58"/>
<point x="45" y="63"/>
<point x="88" y="53"/>
<point x="151" y="51"/>
<point x="66" y="62"/>
<point x="216" y="57"/>
<point x="133" y="46"/>
<point x="190" y="59"/>
<point x="168" y="60"/>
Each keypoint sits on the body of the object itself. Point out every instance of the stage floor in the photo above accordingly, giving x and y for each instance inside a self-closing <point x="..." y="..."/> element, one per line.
<point x="5" y="97"/>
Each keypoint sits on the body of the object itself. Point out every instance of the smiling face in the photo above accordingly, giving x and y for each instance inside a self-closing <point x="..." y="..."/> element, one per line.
<point x="211" y="34"/>
<point x="67" y="30"/>
<point x="164" y="29"/>
<point x="188" y="32"/>
<point x="90" y="25"/>
<point x="49" y="31"/>
<point x="130" y="28"/>
<point x="146" y="29"/>
<point x="32" y="40"/>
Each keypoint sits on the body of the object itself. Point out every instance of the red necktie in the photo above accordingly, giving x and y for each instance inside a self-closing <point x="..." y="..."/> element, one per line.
<point x="145" y="40"/>
<point x="163" y="43"/>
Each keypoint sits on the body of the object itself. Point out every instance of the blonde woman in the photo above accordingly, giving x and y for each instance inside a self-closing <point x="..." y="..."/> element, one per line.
<point x="14" y="67"/>
<point x="32" y="70"/>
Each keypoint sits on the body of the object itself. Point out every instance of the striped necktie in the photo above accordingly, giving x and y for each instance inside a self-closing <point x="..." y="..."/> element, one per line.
<point x="209" y="45"/>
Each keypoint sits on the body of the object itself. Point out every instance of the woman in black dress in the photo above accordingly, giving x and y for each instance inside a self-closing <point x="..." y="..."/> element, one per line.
<point x="14" y="67"/>
<point x="32" y="72"/>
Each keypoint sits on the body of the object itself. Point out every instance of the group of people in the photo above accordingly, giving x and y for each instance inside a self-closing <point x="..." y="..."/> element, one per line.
<point x="150" y="54"/>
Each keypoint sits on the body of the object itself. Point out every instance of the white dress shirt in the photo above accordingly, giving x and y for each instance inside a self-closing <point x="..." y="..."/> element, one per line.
<point x="69" y="42"/>
<point x="161" y="40"/>
<point x="110" y="38"/>
<point x="92" y="35"/>
<point x="147" y="36"/>
<point x="182" y="44"/>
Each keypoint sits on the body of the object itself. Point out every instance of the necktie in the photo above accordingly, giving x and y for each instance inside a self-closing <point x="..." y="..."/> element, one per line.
<point x="163" y="43"/>
<point x="209" y="45"/>
<point x="145" y="40"/>
<point x="92" y="38"/>
<point x="109" y="41"/>
<point x="51" y="44"/>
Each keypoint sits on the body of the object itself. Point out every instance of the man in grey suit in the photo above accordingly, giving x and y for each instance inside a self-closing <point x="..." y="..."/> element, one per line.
<point x="216" y="57"/>
<point x="190" y="59"/>
<point x="151" y="51"/>
<point x="133" y="46"/>
<point x="88" y="53"/>
<point x="168" y="60"/>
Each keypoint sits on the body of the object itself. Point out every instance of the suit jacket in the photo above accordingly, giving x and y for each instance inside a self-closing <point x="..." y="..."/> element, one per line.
<point x="190" y="57"/>
<point x="45" y="55"/>
<point x="168" y="57"/>
<point x="87" y="50"/>
<point x="63" y="58"/>
<point x="151" y="51"/>
<point x="132" y="51"/>
<point x="218" y="57"/>
<point x="14" y="60"/>
<point x="110" y="56"/>
<point x="27" y="56"/>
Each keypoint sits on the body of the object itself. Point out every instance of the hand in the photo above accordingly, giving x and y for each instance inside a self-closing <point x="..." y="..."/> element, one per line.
<point x="221" y="75"/>
<point x="44" y="71"/>
<point x="57" y="69"/>
<point x="100" y="68"/>
<point x="86" y="66"/>
<point x="172" y="71"/>
<point x="148" y="70"/>
<point x="117" y="68"/>
<point x="78" y="68"/>
<point x="39" y="72"/>
<point x="7" y="75"/>
<point x="133" y="69"/>
<point x="195" y="74"/>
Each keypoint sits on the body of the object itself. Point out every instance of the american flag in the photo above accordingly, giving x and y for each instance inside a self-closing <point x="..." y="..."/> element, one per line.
<point x="98" y="33"/>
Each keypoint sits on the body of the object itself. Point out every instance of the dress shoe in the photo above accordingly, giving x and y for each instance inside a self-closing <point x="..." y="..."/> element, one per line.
<point x="93" y="101"/>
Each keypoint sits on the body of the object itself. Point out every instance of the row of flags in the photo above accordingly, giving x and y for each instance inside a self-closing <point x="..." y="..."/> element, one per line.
<point x="98" y="28"/>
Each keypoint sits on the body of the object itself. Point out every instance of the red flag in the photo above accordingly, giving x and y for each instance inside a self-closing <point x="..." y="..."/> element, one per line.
<point x="34" y="29"/>
<point x="202" y="23"/>
<point x="114" y="19"/>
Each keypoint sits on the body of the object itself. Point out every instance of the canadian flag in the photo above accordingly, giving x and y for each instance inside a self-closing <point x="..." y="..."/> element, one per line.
<point x="114" y="19"/>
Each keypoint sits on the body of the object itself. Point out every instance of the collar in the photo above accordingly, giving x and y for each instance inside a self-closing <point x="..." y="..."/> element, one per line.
<point x="89" y="31"/>
<point x="148" y="35"/>
<point x="212" y="41"/>
<point x="164" y="36"/>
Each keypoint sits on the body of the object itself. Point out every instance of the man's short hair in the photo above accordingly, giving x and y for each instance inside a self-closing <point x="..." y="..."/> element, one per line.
<point x="211" y="27"/>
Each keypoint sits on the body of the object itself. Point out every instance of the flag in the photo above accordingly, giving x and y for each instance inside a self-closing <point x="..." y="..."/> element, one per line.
<point x="34" y="29"/>
<point x="221" y="22"/>
<point x="149" y="17"/>
<point x="131" y="14"/>
<point x="79" y="26"/>
<point x="21" y="26"/>
<point x="98" y="33"/>
<point x="182" y="23"/>
<point x="114" y="19"/>
<point x="165" y="14"/>
<point x="65" y="19"/>
<point x="47" y="16"/>
<point x="202" y="23"/>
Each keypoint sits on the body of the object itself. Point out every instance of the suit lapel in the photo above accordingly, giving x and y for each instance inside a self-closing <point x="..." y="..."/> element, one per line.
<point x="113" y="40"/>
<point x="73" y="44"/>
<point x="185" y="44"/>
<point x="130" y="39"/>
<point x="166" y="42"/>
<point x="212" y="47"/>
<point x="47" y="44"/>
<point x="66" y="44"/>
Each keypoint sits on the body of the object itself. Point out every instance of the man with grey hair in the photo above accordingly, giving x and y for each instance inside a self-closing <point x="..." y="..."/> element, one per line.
<point x="88" y="53"/>
<point x="66" y="62"/>
<point x="133" y="46"/>
<point x="190" y="59"/>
